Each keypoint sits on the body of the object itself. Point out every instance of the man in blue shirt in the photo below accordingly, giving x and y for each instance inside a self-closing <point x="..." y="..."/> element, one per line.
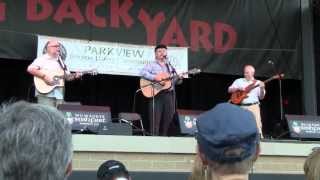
<point x="162" y="110"/>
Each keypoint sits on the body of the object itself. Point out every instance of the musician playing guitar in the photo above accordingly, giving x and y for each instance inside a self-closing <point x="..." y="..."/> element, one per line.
<point x="249" y="91"/>
<point x="42" y="68"/>
<point x="163" y="105"/>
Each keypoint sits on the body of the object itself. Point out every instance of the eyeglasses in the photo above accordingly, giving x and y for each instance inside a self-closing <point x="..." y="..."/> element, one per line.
<point x="54" y="46"/>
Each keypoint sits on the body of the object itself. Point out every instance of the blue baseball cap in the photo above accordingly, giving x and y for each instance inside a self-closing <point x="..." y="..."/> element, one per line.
<point x="227" y="133"/>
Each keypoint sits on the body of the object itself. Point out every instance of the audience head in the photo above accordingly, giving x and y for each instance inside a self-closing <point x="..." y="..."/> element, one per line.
<point x="228" y="139"/>
<point x="112" y="170"/>
<point x="312" y="165"/>
<point x="35" y="143"/>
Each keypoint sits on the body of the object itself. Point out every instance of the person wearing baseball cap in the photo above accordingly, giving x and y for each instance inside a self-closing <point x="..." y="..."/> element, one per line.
<point x="228" y="142"/>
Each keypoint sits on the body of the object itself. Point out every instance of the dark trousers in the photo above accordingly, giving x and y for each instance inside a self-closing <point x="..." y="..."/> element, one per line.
<point x="164" y="109"/>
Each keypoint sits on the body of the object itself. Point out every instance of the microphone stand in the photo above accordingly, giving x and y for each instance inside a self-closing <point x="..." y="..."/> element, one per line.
<point x="173" y="72"/>
<point x="281" y="99"/>
<point x="280" y="96"/>
<point x="153" y="113"/>
<point x="134" y="126"/>
<point x="175" y="80"/>
<point x="153" y="104"/>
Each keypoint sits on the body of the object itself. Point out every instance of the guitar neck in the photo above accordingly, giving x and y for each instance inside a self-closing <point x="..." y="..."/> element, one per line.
<point x="268" y="80"/>
<point x="192" y="71"/>
<point x="257" y="85"/>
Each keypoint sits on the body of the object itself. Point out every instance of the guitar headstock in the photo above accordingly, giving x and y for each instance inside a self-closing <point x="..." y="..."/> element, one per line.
<point x="194" y="71"/>
<point x="278" y="76"/>
<point x="92" y="72"/>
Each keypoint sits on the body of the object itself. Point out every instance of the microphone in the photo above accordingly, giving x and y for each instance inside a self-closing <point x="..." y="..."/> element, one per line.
<point x="59" y="58"/>
<point x="173" y="70"/>
<point x="277" y="72"/>
<point x="62" y="64"/>
<point x="273" y="68"/>
<point x="270" y="62"/>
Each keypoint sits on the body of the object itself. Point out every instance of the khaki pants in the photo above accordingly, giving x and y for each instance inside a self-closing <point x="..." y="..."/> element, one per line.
<point x="255" y="109"/>
<point x="42" y="99"/>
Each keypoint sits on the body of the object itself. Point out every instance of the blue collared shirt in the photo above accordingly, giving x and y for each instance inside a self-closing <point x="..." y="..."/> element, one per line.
<point x="152" y="69"/>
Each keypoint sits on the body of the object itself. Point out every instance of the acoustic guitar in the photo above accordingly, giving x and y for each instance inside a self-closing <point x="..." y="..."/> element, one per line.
<point x="238" y="96"/>
<point x="58" y="80"/>
<point x="151" y="88"/>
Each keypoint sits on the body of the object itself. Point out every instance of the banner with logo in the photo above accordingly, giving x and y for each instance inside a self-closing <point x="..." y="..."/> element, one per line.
<point x="111" y="58"/>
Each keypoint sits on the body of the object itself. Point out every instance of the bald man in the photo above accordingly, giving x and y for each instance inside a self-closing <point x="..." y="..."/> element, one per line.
<point x="252" y="102"/>
<point x="44" y="67"/>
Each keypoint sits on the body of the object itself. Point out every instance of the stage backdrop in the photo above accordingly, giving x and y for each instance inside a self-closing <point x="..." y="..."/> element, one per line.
<point x="222" y="36"/>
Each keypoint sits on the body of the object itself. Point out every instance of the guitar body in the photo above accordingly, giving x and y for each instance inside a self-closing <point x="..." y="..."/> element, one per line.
<point x="43" y="87"/>
<point x="238" y="96"/>
<point x="150" y="90"/>
<point x="58" y="78"/>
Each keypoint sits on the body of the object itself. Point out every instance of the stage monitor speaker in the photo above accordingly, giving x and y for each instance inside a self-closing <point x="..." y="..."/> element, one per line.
<point x="111" y="128"/>
<point x="303" y="127"/>
<point x="187" y="121"/>
<point x="85" y="119"/>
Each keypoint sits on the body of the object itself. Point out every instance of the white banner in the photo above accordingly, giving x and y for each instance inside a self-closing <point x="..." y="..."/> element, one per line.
<point x="112" y="58"/>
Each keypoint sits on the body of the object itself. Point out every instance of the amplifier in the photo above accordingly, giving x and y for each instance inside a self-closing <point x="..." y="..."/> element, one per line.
<point x="304" y="127"/>
<point x="188" y="120"/>
<point x="111" y="128"/>
<point x="85" y="119"/>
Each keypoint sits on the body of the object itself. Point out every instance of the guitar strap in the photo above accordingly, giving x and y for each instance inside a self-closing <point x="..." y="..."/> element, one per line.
<point x="254" y="82"/>
<point x="168" y="69"/>
<point x="171" y="73"/>
<point x="251" y="85"/>
<point x="63" y="66"/>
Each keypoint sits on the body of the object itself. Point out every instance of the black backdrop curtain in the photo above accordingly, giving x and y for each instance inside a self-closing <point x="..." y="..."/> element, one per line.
<point x="221" y="35"/>
<point x="316" y="25"/>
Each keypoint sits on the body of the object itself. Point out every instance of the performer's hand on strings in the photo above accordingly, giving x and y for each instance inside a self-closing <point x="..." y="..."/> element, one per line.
<point x="161" y="76"/>
<point x="49" y="80"/>
<point x="77" y="75"/>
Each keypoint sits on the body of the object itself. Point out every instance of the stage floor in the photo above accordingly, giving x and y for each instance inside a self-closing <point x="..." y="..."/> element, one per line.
<point x="176" y="154"/>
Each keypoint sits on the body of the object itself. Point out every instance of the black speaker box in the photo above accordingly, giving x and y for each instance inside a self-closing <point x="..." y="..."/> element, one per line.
<point x="188" y="120"/>
<point x="303" y="127"/>
<point x="110" y="128"/>
<point x="85" y="119"/>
